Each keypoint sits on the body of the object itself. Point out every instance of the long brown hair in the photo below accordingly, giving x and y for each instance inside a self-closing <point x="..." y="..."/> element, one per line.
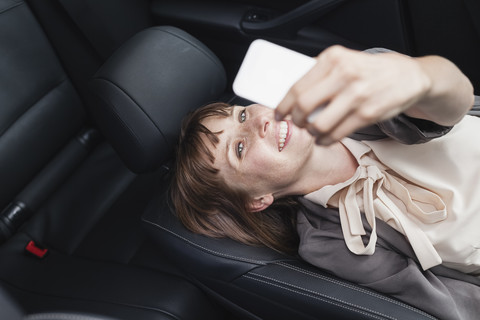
<point x="205" y="204"/>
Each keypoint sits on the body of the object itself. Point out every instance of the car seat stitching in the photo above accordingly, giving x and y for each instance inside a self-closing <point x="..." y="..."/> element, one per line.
<point x="118" y="117"/>
<point x="28" y="108"/>
<point x="354" y="288"/>
<point x="194" y="45"/>
<point x="99" y="300"/>
<point x="11" y="7"/>
<point x="204" y="248"/>
<point x="134" y="101"/>
<point x="62" y="316"/>
<point x="347" y="305"/>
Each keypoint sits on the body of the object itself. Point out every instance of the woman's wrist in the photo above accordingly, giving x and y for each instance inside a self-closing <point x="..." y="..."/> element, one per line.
<point x="449" y="94"/>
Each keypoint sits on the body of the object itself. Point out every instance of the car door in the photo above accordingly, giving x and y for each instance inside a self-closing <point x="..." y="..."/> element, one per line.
<point x="307" y="26"/>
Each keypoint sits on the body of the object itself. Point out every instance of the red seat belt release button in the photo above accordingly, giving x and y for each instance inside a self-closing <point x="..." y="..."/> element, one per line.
<point x="36" y="250"/>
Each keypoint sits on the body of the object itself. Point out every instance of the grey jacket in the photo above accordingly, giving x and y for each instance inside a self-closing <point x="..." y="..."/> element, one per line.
<point x="393" y="269"/>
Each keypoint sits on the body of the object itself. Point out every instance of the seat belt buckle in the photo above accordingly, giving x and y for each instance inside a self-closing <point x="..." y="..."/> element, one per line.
<point x="36" y="250"/>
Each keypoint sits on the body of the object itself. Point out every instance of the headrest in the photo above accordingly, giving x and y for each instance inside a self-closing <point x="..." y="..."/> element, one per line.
<point x="143" y="91"/>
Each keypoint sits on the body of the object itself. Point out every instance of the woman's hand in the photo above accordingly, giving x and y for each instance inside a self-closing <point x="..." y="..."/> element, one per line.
<point x="347" y="90"/>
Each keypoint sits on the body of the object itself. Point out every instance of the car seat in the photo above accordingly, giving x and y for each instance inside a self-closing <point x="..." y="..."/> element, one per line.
<point x="58" y="180"/>
<point x="258" y="282"/>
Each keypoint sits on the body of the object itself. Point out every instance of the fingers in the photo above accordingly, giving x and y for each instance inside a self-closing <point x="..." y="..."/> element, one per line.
<point x="347" y="90"/>
<point x="345" y="115"/>
<point x="312" y="99"/>
<point x="291" y="100"/>
<point x="318" y="86"/>
<point x="338" y="119"/>
<point x="345" y="126"/>
<point x="324" y="106"/>
<point x="308" y="97"/>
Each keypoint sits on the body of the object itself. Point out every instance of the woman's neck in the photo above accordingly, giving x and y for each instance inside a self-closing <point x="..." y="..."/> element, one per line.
<point x="328" y="166"/>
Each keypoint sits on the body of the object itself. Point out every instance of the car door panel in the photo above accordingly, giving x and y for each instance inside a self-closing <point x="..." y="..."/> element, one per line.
<point x="305" y="26"/>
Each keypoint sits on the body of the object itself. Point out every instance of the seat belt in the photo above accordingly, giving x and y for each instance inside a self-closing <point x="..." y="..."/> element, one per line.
<point x="45" y="183"/>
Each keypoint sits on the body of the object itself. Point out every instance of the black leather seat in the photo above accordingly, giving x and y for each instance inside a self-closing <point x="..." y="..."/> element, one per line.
<point x="264" y="282"/>
<point x="259" y="282"/>
<point x="59" y="181"/>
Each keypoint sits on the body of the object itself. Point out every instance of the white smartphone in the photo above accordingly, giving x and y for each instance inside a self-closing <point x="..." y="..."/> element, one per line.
<point x="268" y="71"/>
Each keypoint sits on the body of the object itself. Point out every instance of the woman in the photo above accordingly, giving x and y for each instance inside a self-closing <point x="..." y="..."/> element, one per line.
<point x="235" y="166"/>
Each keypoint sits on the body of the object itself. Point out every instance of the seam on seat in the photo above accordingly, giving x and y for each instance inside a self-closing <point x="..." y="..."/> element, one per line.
<point x="206" y="249"/>
<point x="12" y="7"/>
<point x="215" y="62"/>
<point x="129" y="305"/>
<point x="119" y="118"/>
<point x="336" y="302"/>
<point x="8" y="126"/>
<point x="134" y="101"/>
<point x="302" y="271"/>
<point x="347" y="285"/>
<point x="63" y="316"/>
<point x="336" y="299"/>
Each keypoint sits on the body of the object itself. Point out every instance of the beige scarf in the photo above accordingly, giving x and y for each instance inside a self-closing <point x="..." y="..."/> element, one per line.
<point x="378" y="193"/>
<point x="429" y="192"/>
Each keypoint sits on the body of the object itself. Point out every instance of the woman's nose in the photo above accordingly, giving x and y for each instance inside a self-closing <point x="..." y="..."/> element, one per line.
<point x="260" y="125"/>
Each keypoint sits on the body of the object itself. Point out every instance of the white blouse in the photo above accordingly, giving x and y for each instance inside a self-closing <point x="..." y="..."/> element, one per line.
<point x="429" y="192"/>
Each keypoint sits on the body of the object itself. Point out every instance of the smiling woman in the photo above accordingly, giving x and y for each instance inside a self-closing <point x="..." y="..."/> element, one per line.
<point x="215" y="205"/>
<point x="234" y="163"/>
<point x="272" y="159"/>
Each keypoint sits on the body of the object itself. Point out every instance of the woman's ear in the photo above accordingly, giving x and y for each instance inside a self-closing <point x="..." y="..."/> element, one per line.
<point x="260" y="203"/>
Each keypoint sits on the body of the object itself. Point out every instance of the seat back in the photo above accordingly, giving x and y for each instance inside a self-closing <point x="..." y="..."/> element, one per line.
<point x="265" y="283"/>
<point x="39" y="114"/>
<point x="50" y="174"/>
<point x="144" y="90"/>
<point x="140" y="105"/>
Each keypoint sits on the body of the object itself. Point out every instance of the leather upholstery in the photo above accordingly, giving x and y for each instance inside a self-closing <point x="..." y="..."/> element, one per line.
<point x="264" y="282"/>
<point x="260" y="281"/>
<point x="40" y="110"/>
<point x="144" y="90"/>
<point x="41" y="115"/>
<point x="74" y="285"/>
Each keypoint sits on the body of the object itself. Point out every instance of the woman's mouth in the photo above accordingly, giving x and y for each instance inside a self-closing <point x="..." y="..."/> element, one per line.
<point x="282" y="135"/>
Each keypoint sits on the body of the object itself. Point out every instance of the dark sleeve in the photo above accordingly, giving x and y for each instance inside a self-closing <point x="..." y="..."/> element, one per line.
<point x="475" y="111"/>
<point x="411" y="130"/>
<point x="404" y="129"/>
<point x="387" y="271"/>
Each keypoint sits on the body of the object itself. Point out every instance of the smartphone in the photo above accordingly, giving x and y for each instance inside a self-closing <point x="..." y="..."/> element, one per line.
<point x="268" y="71"/>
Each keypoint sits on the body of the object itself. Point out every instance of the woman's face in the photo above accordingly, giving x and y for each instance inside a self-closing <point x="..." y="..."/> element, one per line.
<point x="258" y="153"/>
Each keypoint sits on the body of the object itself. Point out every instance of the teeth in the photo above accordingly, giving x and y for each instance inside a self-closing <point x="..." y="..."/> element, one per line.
<point x="282" y="135"/>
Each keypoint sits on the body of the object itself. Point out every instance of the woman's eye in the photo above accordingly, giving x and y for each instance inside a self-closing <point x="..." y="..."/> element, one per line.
<point x="242" y="116"/>
<point x="239" y="149"/>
